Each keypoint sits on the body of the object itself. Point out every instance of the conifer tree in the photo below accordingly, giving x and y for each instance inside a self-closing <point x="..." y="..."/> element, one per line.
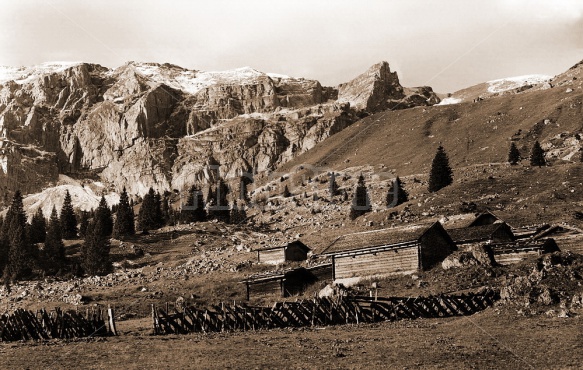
<point x="150" y="213"/>
<point x="537" y="155"/>
<point x="103" y="215"/>
<point x="53" y="253"/>
<point x="21" y="252"/>
<point x="165" y="208"/>
<point x="68" y="218"/>
<point x="95" y="250"/>
<point x="158" y="214"/>
<point x="220" y="209"/>
<point x="286" y="193"/>
<point x="194" y="209"/>
<point x="38" y="227"/>
<point x="361" y="202"/>
<point x="238" y="214"/>
<point x="83" y="222"/>
<point x="333" y="185"/>
<point x="513" y="154"/>
<point x="441" y="174"/>
<point x="396" y="194"/>
<point x="124" y="221"/>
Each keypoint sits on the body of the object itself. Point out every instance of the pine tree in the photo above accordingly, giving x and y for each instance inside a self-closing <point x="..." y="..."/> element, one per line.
<point x="238" y="214"/>
<point x="95" y="250"/>
<point x="158" y="214"/>
<point x="441" y="174"/>
<point x="220" y="209"/>
<point x="333" y="185"/>
<point x="68" y="219"/>
<point x="194" y="209"/>
<point x="513" y="154"/>
<point x="150" y="213"/>
<point x="21" y="252"/>
<point x="537" y="155"/>
<point x="38" y="227"/>
<point x="286" y="193"/>
<point x="396" y="194"/>
<point x="165" y="209"/>
<point x="53" y="253"/>
<point x="103" y="215"/>
<point x="124" y="221"/>
<point x="361" y="202"/>
<point x="83" y="222"/>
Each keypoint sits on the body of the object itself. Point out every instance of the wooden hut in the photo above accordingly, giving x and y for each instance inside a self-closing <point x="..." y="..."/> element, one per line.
<point x="509" y="253"/>
<point x="389" y="251"/>
<point x="498" y="232"/>
<point x="293" y="251"/>
<point x="288" y="282"/>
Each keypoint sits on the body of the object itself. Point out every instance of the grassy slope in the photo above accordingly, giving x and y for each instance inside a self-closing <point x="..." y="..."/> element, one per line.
<point x="472" y="133"/>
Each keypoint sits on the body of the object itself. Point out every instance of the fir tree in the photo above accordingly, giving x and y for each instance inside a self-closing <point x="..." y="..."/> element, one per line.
<point x="83" y="222"/>
<point x="95" y="250"/>
<point x="361" y="202"/>
<point x="124" y="221"/>
<point x="220" y="209"/>
<point x="238" y="214"/>
<point x="68" y="219"/>
<point x="149" y="214"/>
<point x="165" y="208"/>
<point x="38" y="227"/>
<point x="333" y="185"/>
<point x="53" y="253"/>
<point x="513" y="154"/>
<point x="21" y="253"/>
<point x="286" y="193"/>
<point x="537" y="155"/>
<point x="441" y="174"/>
<point x="194" y="209"/>
<point x="103" y="215"/>
<point x="396" y="194"/>
<point x="158" y="214"/>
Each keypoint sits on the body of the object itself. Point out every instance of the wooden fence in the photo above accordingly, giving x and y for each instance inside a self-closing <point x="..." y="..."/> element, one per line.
<point x="316" y="312"/>
<point x="29" y="325"/>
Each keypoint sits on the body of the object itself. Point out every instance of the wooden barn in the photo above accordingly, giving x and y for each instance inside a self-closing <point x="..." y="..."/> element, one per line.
<point x="389" y="251"/>
<point x="509" y="253"/>
<point x="293" y="251"/>
<point x="498" y="232"/>
<point x="287" y="283"/>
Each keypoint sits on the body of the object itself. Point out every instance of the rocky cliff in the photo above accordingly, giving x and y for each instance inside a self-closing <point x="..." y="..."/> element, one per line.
<point x="160" y="125"/>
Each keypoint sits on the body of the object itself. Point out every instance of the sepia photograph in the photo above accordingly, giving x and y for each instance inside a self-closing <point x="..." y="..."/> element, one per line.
<point x="380" y="184"/>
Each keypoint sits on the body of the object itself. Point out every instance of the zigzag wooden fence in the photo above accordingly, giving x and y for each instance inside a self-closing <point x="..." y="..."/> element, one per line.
<point x="28" y="325"/>
<point x="316" y="312"/>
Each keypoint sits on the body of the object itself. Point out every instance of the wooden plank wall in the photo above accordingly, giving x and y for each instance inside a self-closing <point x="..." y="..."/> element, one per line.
<point x="388" y="262"/>
<point x="273" y="256"/>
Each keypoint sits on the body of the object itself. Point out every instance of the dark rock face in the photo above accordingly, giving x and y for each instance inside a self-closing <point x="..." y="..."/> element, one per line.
<point x="146" y="124"/>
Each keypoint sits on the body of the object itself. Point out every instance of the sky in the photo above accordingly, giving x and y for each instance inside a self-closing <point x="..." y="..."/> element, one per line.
<point x="446" y="44"/>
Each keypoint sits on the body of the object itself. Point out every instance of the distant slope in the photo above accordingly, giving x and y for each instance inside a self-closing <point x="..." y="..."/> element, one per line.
<point x="472" y="133"/>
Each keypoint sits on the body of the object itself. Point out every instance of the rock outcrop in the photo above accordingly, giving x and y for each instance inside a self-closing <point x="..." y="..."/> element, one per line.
<point x="160" y="125"/>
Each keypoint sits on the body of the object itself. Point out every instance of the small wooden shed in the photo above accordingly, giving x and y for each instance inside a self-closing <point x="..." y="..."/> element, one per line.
<point x="389" y="251"/>
<point x="509" y="253"/>
<point x="288" y="282"/>
<point x="498" y="232"/>
<point x="293" y="251"/>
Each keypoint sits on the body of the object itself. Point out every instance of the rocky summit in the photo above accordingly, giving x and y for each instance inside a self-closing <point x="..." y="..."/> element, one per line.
<point x="155" y="125"/>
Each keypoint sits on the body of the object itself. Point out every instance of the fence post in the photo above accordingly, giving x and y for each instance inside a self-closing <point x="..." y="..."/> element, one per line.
<point x="111" y="320"/>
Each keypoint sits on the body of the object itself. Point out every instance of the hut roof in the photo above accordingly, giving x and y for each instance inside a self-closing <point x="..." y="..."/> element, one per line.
<point x="376" y="238"/>
<point x="475" y="233"/>
<point x="294" y="243"/>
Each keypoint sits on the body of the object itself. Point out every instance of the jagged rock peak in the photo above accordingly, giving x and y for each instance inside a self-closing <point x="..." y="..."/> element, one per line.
<point x="378" y="88"/>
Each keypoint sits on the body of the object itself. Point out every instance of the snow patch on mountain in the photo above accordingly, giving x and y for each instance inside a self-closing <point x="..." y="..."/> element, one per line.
<point x="505" y="84"/>
<point x="22" y="75"/>
<point x="448" y="101"/>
